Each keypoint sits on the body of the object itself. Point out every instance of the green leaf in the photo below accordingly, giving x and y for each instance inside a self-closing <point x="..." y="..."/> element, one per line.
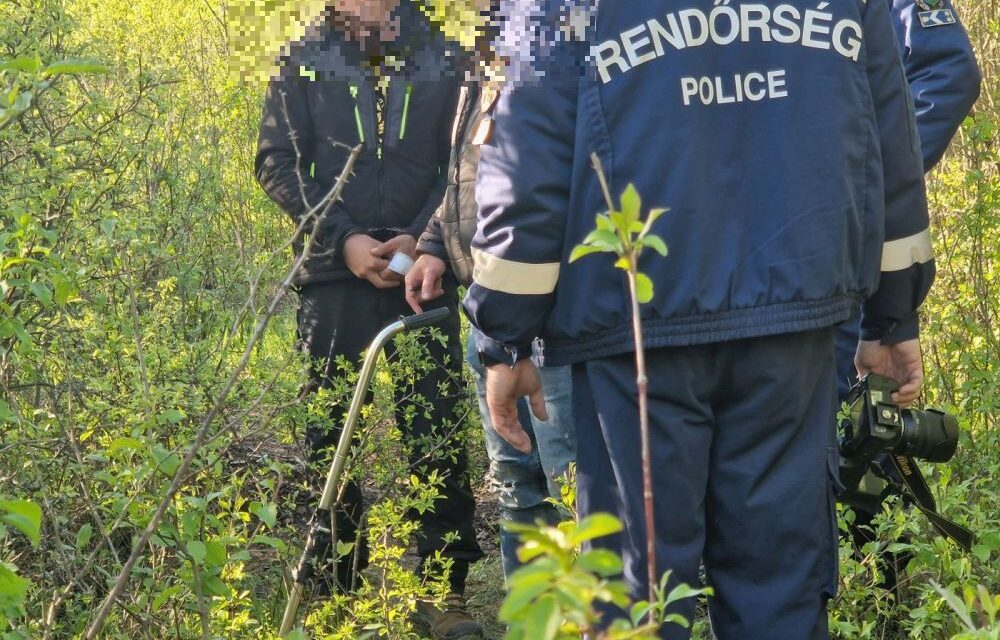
<point x="215" y="553"/>
<point x="14" y="327"/>
<point x="982" y="552"/>
<point x="171" y="416"/>
<point x="604" y="223"/>
<point x="639" y="611"/>
<point x="124" y="444"/>
<point x="13" y="589"/>
<point x="582" y="250"/>
<point x="197" y="550"/>
<point x="73" y="67"/>
<point x="83" y="537"/>
<point x="542" y="622"/>
<point x="27" y="64"/>
<point x="606" y="240"/>
<point x="274" y="543"/>
<point x="631" y="203"/>
<point x="603" y="562"/>
<point x="268" y="514"/>
<point x="213" y="585"/>
<point x="166" y="461"/>
<point x="620" y="222"/>
<point x="521" y="597"/>
<point x="41" y="292"/>
<point x="676" y="618"/>
<point x="655" y="243"/>
<point x="654" y="215"/>
<point x="162" y="597"/>
<point x="344" y="549"/>
<point x="23" y="101"/>
<point x="643" y="288"/>
<point x="682" y="592"/>
<point x="24" y="516"/>
<point x="63" y="290"/>
<point x="956" y="604"/>
<point x="595" y="526"/>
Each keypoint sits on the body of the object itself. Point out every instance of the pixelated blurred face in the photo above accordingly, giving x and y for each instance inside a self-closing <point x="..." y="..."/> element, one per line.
<point x="370" y="21"/>
<point x="368" y="12"/>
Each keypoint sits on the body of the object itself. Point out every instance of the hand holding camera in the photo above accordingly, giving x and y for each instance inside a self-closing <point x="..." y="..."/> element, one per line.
<point x="882" y="441"/>
<point x="901" y="362"/>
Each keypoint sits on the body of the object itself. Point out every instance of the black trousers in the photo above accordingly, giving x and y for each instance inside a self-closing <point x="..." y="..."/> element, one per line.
<point x="340" y="319"/>
<point x="744" y="462"/>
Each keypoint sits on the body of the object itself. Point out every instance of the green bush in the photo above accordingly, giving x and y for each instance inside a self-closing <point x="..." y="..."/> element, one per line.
<point x="136" y="257"/>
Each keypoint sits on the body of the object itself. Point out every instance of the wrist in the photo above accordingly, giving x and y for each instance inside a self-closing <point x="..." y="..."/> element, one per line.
<point x="892" y="332"/>
<point x="492" y="353"/>
<point x="350" y="233"/>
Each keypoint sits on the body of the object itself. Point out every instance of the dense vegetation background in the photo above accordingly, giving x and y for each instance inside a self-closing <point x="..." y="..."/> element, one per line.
<point x="137" y="257"/>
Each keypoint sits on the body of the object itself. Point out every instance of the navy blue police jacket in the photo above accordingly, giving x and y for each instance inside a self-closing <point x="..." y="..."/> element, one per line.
<point x="940" y="68"/>
<point x="781" y="136"/>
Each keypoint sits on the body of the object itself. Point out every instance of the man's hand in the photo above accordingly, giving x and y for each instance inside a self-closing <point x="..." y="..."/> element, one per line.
<point x="424" y="281"/>
<point x="365" y="264"/>
<point x="404" y="243"/>
<point x="504" y="386"/>
<point x="901" y="362"/>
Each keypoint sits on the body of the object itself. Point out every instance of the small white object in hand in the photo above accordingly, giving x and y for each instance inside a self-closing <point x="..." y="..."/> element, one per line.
<point x="400" y="263"/>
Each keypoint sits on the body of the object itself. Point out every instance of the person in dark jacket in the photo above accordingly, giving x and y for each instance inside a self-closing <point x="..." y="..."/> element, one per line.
<point x="378" y="74"/>
<point x="783" y="140"/>
<point x="945" y="82"/>
<point x="523" y="482"/>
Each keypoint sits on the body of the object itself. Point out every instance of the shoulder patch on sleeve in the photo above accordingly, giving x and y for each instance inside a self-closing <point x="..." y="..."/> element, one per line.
<point x="938" y="18"/>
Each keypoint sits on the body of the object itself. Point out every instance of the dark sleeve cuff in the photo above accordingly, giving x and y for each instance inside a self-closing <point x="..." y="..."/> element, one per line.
<point x="890" y="332"/>
<point x="493" y="352"/>
<point x="430" y="241"/>
<point x="335" y="231"/>
<point x="417" y="229"/>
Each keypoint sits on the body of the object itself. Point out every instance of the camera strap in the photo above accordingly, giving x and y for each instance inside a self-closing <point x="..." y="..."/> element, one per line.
<point x="917" y="487"/>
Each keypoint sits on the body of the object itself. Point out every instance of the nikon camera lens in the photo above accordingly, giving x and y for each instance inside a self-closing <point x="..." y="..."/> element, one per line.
<point x="930" y="435"/>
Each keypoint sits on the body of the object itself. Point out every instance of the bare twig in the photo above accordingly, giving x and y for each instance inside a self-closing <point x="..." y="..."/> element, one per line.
<point x="642" y="386"/>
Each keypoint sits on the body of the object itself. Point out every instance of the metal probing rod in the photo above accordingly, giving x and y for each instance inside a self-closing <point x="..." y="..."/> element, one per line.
<point x="317" y="526"/>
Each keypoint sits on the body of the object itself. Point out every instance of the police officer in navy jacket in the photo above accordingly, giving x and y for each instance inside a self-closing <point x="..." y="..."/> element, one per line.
<point x="782" y="138"/>
<point x="945" y="82"/>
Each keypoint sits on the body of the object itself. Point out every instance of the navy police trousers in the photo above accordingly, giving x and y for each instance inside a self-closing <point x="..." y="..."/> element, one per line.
<point x="744" y="462"/>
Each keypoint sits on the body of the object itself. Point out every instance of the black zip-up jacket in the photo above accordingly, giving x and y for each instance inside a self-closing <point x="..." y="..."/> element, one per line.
<point x="449" y="234"/>
<point x="323" y="103"/>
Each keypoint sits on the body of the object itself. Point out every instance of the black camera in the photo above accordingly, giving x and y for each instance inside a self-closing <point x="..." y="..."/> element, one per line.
<point x="880" y="444"/>
<point x="877" y="425"/>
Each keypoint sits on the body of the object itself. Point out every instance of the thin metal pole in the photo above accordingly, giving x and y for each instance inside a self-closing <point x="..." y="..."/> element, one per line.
<point x="337" y="467"/>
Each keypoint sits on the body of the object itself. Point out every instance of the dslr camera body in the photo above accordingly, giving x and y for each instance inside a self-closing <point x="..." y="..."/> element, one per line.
<point x="880" y="444"/>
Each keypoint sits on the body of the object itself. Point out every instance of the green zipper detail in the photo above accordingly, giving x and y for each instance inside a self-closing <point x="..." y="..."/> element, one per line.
<point x="406" y="111"/>
<point x="357" y="114"/>
<point x="312" y="171"/>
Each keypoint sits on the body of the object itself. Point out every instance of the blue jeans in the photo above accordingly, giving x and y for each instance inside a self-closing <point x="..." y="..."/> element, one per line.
<point x="523" y="481"/>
